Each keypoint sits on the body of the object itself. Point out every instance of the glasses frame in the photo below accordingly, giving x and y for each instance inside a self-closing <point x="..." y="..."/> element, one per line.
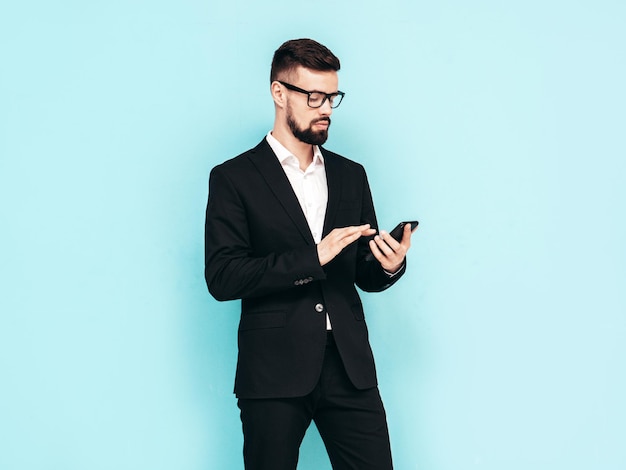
<point x="327" y="96"/>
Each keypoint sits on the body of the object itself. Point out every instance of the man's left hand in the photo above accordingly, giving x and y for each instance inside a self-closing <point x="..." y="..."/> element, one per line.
<point x="388" y="251"/>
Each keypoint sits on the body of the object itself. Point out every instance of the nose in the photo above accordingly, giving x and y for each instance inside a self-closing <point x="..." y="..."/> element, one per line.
<point x="326" y="109"/>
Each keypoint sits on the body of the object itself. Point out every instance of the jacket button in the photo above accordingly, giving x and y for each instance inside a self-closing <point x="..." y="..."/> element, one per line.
<point x="319" y="308"/>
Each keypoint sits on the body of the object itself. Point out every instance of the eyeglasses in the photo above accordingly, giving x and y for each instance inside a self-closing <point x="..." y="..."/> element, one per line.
<point x="316" y="99"/>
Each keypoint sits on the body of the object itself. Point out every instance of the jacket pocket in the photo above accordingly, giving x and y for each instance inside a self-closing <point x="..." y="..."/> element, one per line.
<point x="253" y="321"/>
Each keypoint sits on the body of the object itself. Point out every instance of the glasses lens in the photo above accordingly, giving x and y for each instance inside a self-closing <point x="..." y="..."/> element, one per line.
<point x="335" y="100"/>
<point x="316" y="99"/>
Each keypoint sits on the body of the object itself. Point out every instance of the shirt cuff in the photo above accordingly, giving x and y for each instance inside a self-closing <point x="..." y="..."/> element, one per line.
<point x="397" y="272"/>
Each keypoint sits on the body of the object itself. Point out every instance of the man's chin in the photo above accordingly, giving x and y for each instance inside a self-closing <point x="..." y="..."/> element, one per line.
<point x="314" y="138"/>
<point x="321" y="137"/>
<point x="309" y="135"/>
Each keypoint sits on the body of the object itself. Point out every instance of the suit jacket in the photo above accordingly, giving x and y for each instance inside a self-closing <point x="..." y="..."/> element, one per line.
<point x="258" y="248"/>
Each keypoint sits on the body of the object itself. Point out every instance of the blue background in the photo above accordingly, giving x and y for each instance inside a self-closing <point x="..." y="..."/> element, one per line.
<point x="499" y="125"/>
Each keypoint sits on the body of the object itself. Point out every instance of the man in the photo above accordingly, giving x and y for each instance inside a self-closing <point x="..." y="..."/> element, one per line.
<point x="290" y="230"/>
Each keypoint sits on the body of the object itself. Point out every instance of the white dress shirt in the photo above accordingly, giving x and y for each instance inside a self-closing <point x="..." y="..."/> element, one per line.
<point x="310" y="187"/>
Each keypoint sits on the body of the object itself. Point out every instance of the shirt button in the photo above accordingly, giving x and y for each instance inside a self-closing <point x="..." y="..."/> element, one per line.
<point x="319" y="308"/>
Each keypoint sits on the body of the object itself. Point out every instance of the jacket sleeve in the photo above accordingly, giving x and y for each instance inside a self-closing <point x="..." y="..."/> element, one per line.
<point x="231" y="269"/>
<point x="370" y="275"/>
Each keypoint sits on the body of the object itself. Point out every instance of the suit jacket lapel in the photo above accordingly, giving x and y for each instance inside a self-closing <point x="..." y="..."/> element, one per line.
<point x="268" y="165"/>
<point x="333" y="180"/>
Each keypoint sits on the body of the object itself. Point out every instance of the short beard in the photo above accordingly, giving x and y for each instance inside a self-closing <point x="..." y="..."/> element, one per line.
<point x="308" y="135"/>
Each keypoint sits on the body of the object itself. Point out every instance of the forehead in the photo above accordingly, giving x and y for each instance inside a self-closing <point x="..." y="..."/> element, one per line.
<point x="315" y="80"/>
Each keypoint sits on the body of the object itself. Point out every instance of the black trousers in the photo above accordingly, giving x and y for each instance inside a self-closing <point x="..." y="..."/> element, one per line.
<point x="351" y="422"/>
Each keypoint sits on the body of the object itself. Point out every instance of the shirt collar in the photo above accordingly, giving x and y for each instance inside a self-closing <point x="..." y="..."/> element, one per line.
<point x="283" y="154"/>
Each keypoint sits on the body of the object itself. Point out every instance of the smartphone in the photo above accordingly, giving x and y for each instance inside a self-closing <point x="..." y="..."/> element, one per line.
<point x="398" y="230"/>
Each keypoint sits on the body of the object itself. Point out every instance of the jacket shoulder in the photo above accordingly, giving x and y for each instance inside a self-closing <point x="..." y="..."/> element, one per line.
<point x="243" y="159"/>
<point x="345" y="165"/>
<point x="343" y="161"/>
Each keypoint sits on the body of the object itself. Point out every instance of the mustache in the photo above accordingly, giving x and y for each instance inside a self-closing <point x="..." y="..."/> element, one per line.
<point x="324" y="119"/>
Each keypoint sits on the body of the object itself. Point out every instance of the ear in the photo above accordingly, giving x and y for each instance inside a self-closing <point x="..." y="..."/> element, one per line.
<point x="278" y="94"/>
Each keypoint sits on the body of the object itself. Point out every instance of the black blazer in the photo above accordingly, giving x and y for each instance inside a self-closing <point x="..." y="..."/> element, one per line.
<point x="258" y="248"/>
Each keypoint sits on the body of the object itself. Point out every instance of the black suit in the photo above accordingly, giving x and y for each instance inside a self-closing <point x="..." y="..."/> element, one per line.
<point x="259" y="248"/>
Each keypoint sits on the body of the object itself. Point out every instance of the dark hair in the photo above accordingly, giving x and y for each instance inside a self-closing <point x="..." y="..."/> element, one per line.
<point x="307" y="53"/>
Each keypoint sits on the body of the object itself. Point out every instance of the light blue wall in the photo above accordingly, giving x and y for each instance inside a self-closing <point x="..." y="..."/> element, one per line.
<point x="500" y="125"/>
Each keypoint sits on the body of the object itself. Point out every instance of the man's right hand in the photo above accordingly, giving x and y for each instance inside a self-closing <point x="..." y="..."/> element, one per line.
<point x="333" y="243"/>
